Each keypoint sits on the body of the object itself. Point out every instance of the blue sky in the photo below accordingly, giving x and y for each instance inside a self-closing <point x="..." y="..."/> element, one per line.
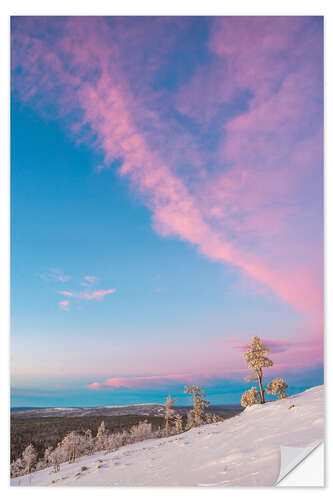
<point x="110" y="279"/>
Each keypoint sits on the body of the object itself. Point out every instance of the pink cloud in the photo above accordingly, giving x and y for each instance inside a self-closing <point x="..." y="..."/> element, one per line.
<point x="64" y="305"/>
<point x="273" y="345"/>
<point x="93" y="295"/>
<point x="134" y="382"/>
<point x="96" y="294"/>
<point x="230" y="340"/>
<point x="259" y="210"/>
<point x="66" y="293"/>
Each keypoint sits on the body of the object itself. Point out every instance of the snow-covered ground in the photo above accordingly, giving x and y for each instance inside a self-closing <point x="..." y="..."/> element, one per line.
<point x="243" y="451"/>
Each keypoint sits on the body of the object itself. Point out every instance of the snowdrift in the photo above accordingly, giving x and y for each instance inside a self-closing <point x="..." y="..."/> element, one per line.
<point x="242" y="451"/>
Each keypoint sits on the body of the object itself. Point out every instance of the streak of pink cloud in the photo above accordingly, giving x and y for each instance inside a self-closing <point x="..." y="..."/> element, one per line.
<point x="133" y="382"/>
<point x="274" y="345"/>
<point x="96" y="294"/>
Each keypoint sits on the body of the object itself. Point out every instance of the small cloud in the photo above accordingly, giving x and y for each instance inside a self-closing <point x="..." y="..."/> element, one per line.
<point x="274" y="345"/>
<point x="96" y="294"/>
<point x="55" y="275"/>
<point x="64" y="305"/>
<point x="94" y="386"/>
<point x="89" y="280"/>
<point x="66" y="293"/>
<point x="231" y="340"/>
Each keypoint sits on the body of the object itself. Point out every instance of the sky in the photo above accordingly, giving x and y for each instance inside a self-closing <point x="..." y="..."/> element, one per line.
<point x="166" y="205"/>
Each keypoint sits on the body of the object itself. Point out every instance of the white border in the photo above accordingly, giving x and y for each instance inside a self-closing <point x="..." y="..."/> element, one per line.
<point x="142" y="7"/>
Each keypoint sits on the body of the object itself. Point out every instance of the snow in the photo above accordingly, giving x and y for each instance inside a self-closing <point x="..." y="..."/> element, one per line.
<point x="242" y="451"/>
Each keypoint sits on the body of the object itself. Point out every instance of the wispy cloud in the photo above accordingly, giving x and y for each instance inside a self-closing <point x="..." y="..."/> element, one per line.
<point x="89" y="280"/>
<point x="133" y="382"/>
<point x="96" y="294"/>
<point x="55" y="275"/>
<point x="93" y="295"/>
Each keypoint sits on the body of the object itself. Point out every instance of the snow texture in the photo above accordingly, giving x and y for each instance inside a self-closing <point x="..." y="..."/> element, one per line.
<point x="242" y="451"/>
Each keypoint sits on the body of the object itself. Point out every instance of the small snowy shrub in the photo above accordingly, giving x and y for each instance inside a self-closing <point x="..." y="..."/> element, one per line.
<point x="57" y="457"/>
<point x="17" y="468"/>
<point x="141" y="432"/>
<point x="114" y="441"/>
<point x="250" y="397"/>
<point x="278" y="386"/>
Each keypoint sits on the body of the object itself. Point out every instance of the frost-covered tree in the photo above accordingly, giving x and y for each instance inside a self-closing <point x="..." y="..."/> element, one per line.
<point x="199" y="404"/>
<point x="101" y="437"/>
<point x="47" y="454"/>
<point x="71" y="446"/>
<point x="115" y="441"/>
<point x="101" y="430"/>
<point x="168" y="412"/>
<point x="178" y="424"/>
<point x="250" y="397"/>
<point x="29" y="457"/>
<point x="88" y="442"/>
<point x="256" y="359"/>
<point x="278" y="386"/>
<point x="57" y="457"/>
<point x="189" y="420"/>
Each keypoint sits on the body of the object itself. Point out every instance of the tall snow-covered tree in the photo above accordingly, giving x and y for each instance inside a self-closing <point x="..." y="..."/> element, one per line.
<point x="101" y="437"/>
<point x="199" y="403"/>
<point x="168" y="412"/>
<point x="256" y="359"/>
<point x="250" y="397"/>
<point x="278" y="386"/>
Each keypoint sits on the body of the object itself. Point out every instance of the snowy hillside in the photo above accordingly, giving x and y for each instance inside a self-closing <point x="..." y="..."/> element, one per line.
<point x="244" y="450"/>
